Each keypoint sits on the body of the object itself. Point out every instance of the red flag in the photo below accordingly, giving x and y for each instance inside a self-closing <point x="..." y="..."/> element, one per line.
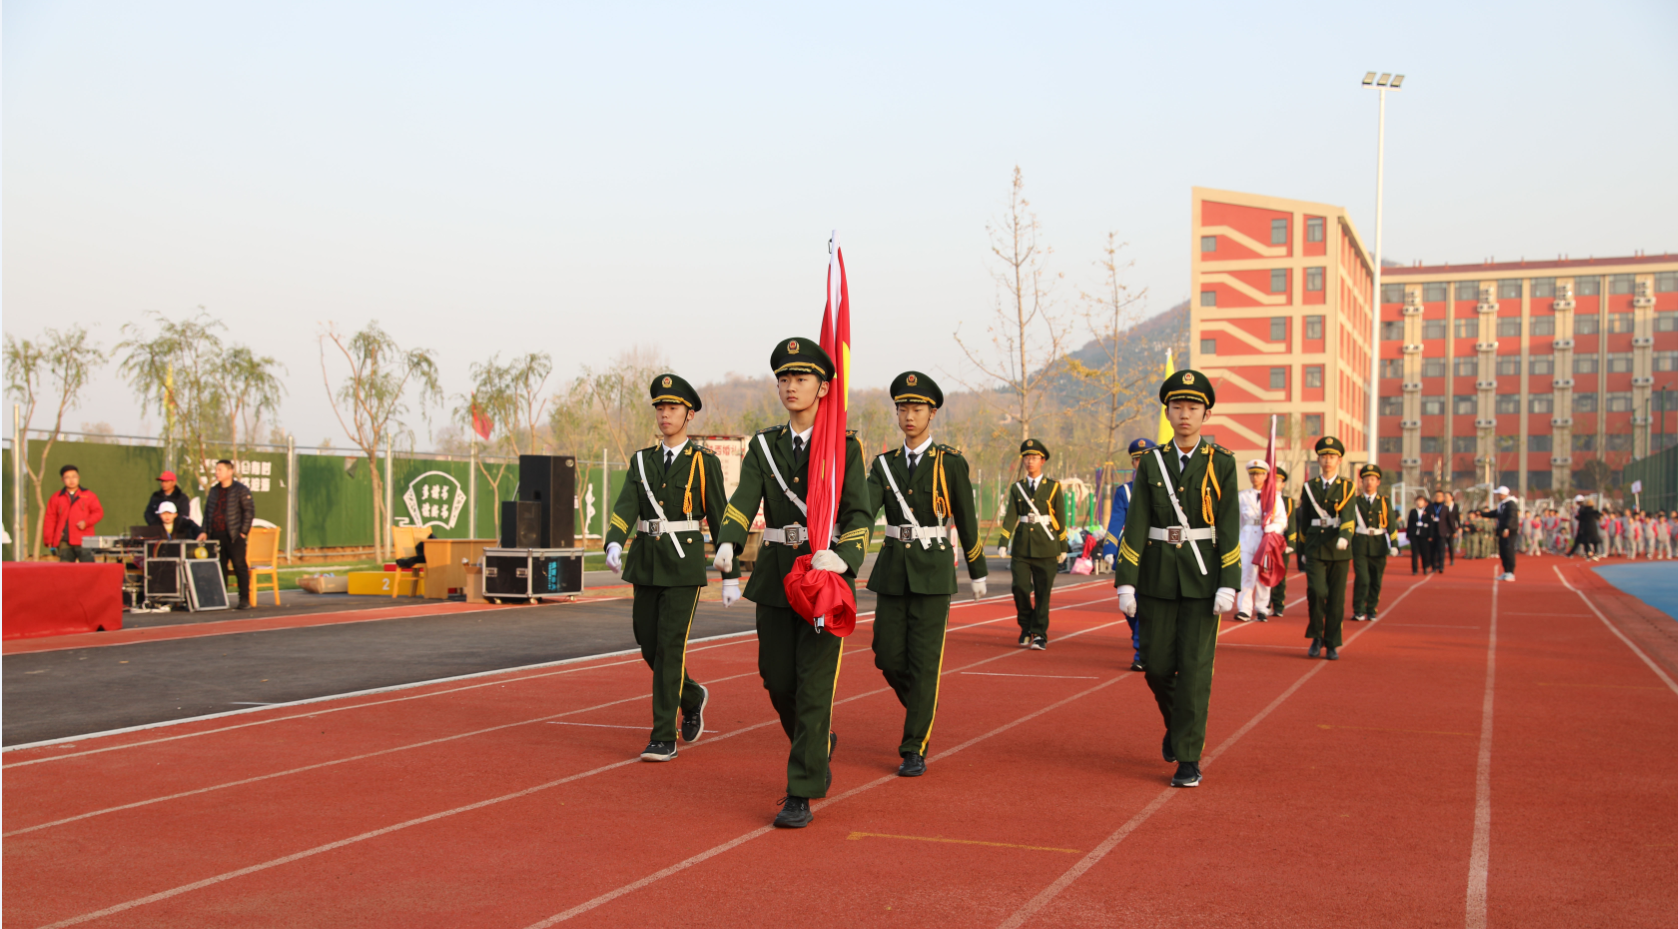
<point x="481" y="423"/>
<point x="1272" y="556"/>
<point x="823" y="597"/>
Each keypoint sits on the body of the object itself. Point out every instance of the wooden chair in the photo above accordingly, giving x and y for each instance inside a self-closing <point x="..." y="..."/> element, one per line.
<point x="405" y="540"/>
<point x="262" y="554"/>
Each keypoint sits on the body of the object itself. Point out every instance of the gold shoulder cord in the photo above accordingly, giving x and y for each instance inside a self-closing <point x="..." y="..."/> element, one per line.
<point x="940" y="486"/>
<point x="687" y="492"/>
<point x="1210" y="496"/>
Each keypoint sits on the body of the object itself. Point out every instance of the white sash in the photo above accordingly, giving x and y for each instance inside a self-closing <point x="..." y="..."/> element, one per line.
<point x="1182" y="518"/>
<point x="647" y="489"/>
<point x="908" y="514"/>
<point x="777" y="472"/>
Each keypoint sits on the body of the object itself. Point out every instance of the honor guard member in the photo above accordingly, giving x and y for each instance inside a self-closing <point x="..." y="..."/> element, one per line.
<point x="925" y="490"/>
<point x="1326" y="545"/>
<point x="1179" y="565"/>
<point x="675" y="489"/>
<point x="1033" y="536"/>
<point x="1115" y="531"/>
<point x="1279" y="593"/>
<point x="799" y="664"/>
<point x="1376" y="537"/>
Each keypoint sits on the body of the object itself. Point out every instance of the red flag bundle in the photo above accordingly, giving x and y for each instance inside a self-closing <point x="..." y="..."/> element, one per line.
<point x="481" y="423"/>
<point x="822" y="597"/>
<point x="1272" y="556"/>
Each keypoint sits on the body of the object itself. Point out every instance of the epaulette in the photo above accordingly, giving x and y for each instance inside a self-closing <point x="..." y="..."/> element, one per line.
<point x="850" y="433"/>
<point x="706" y="449"/>
<point x="770" y="429"/>
<point x="1214" y="447"/>
<point x="947" y="449"/>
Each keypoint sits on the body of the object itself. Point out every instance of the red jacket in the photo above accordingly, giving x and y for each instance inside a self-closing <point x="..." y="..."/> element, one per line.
<point x="61" y="512"/>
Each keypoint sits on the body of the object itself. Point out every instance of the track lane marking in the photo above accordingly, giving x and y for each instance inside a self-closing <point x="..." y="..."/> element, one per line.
<point x="1069" y="677"/>
<point x="1389" y="729"/>
<point x="940" y="839"/>
<point x="1479" y="856"/>
<point x="1659" y="672"/>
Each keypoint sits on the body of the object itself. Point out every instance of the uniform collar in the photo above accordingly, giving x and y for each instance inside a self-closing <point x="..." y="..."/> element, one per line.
<point x="805" y="435"/>
<point x="918" y="451"/>
<point x="677" y="450"/>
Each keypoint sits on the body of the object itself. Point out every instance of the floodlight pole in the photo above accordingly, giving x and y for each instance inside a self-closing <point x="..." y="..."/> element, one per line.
<point x="1375" y="299"/>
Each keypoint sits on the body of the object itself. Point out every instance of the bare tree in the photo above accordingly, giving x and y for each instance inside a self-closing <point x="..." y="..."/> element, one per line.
<point x="372" y="398"/>
<point x="249" y="388"/>
<point x="1026" y="337"/>
<point x="609" y="407"/>
<point x="65" y="361"/>
<point x="1117" y="380"/>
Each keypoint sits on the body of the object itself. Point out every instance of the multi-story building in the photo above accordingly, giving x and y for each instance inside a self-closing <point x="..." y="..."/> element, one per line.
<point x="1280" y="321"/>
<point x="1543" y="375"/>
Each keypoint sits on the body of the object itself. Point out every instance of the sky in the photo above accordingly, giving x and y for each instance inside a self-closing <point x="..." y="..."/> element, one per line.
<point x="587" y="179"/>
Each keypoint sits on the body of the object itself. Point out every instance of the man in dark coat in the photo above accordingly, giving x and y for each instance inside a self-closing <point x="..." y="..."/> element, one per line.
<point x="1419" y="530"/>
<point x="1587" y="534"/>
<point x="1507" y="533"/>
<point x="167" y="490"/>
<point x="228" y="515"/>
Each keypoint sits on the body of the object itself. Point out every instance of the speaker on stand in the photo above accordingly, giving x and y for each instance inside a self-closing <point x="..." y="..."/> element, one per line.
<point x="551" y="481"/>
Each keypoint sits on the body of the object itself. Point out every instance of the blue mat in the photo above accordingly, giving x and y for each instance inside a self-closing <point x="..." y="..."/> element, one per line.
<point x="1655" y="584"/>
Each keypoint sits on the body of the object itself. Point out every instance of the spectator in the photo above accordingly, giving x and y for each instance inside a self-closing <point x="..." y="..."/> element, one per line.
<point x="71" y="515"/>
<point x="1456" y="526"/>
<point x="1444" y="526"/>
<point x="228" y="514"/>
<point x="1419" y="533"/>
<point x="176" y="526"/>
<point x="168" y="490"/>
<point x="1587" y="534"/>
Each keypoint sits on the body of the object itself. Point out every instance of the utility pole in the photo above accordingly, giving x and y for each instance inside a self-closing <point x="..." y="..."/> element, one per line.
<point x="1382" y="84"/>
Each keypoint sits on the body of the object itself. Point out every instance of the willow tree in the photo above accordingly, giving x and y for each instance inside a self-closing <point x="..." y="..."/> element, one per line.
<point x="1117" y="375"/>
<point x="510" y="400"/>
<point x="60" y="364"/>
<point x="372" y="398"/>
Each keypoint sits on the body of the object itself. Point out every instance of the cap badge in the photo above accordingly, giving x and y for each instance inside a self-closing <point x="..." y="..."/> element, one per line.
<point x="667" y="382"/>
<point x="910" y="380"/>
<point x="792" y="347"/>
<point x="1188" y="378"/>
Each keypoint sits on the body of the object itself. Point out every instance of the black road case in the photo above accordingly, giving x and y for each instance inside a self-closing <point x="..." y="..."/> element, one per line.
<point x="529" y="573"/>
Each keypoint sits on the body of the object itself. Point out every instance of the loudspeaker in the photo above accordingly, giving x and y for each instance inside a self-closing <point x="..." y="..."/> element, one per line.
<point x="521" y="524"/>
<point x="551" y="480"/>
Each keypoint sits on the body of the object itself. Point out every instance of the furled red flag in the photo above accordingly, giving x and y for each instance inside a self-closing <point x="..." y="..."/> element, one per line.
<point x="823" y="597"/>
<point x="481" y="423"/>
<point x="1272" y="556"/>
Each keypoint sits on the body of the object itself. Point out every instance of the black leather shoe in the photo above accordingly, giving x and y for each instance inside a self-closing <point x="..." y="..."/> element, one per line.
<point x="1276" y="615"/>
<point x="245" y="605"/>
<point x="1188" y="774"/>
<point x="1165" y="749"/>
<point x="659" y="751"/>
<point x="693" y="724"/>
<point x="1243" y="617"/>
<point x="1025" y="639"/>
<point x="1332" y="654"/>
<point x="913" y="766"/>
<point x="1316" y="648"/>
<point x="1039" y="643"/>
<point x="795" y="813"/>
<point x="1262" y="617"/>
<point x="1138" y="666"/>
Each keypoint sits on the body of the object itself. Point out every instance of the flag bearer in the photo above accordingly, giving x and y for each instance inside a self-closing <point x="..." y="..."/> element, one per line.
<point x="1326" y="543"/>
<point x="1033" y="536"/>
<point x="675" y="489"/>
<point x="924" y="489"/>
<point x="1115" y="531"/>
<point x="1376" y="538"/>
<point x="1254" y="600"/>
<point x="799" y="664"/>
<point x="1180" y="564"/>
<point x="1279" y="593"/>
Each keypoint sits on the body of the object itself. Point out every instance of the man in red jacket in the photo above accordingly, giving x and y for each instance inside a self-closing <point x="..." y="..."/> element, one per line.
<point x="71" y="515"/>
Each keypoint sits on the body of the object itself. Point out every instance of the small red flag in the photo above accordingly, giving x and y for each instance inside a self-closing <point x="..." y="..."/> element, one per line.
<point x="1272" y="556"/>
<point x="481" y="423"/>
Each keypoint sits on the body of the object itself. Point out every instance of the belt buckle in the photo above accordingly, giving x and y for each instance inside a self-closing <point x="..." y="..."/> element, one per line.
<point x="1174" y="535"/>
<point x="795" y="535"/>
<point x="657" y="526"/>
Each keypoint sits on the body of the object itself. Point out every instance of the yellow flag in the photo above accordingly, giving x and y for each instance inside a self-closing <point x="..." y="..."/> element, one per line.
<point x="1165" y="432"/>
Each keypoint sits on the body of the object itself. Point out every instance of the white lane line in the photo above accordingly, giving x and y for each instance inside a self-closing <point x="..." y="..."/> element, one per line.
<point x="561" y="722"/>
<point x="1289" y="648"/>
<point x="1049" y="893"/>
<point x="1659" y="671"/>
<point x="1066" y="677"/>
<point x="1437" y="625"/>
<point x="1479" y="855"/>
<point x="248" y="703"/>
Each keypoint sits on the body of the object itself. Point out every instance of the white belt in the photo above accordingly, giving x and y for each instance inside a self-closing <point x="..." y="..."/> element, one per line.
<point x="792" y="535"/>
<point x="1372" y="530"/>
<point x="1326" y="523"/>
<point x="914" y="534"/>
<point x="658" y="527"/>
<point x="1177" y="535"/>
<point x="1042" y="518"/>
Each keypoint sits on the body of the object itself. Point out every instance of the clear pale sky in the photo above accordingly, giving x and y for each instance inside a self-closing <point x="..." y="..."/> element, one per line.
<point x="585" y="178"/>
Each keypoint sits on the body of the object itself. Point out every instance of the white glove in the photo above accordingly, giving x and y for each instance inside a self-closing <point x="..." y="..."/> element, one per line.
<point x="724" y="561"/>
<point x="1224" y="601"/>
<point x="1002" y="551"/>
<point x="1060" y="558"/>
<point x="1127" y="599"/>
<point x="614" y="557"/>
<point x="1340" y="545"/>
<point x="730" y="592"/>
<point x="979" y="588"/>
<point x="828" y="560"/>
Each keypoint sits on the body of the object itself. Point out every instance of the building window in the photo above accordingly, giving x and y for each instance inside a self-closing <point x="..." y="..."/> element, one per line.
<point x="1433" y="406"/>
<point x="1584" y="443"/>
<point x="1278" y="232"/>
<point x="1462" y="405"/>
<point x="1584" y="364"/>
<point x="1584" y="403"/>
<point x="1430" y="445"/>
<point x="1278" y="280"/>
<point x="1622" y="283"/>
<point x="1467" y="328"/>
<point x="1541" y="403"/>
<point x="1208" y="346"/>
<point x="1508" y="365"/>
<point x="1542" y="364"/>
<point x="1666" y="321"/>
<point x="1619" y="441"/>
<point x="1538" y="443"/>
<point x="1539" y="480"/>
<point x="1621" y="322"/>
<point x="1433" y="367"/>
<point x="1543" y="325"/>
<point x="1587" y="286"/>
<point x="1508" y="327"/>
<point x="1314" y="327"/>
<point x="1666" y="282"/>
<point x="1390" y="367"/>
<point x="1313" y="228"/>
<point x="1619" y="402"/>
<point x="1278" y="328"/>
<point x="1208" y="243"/>
<point x="1462" y="444"/>
<point x="1391" y="331"/>
<point x="1278" y="378"/>
<point x="1509" y="290"/>
<point x="1466" y="367"/>
<point x="1586" y="325"/>
<point x="1392" y="406"/>
<point x="1433" y="329"/>
<point x="1392" y="445"/>
<point x="1468" y="290"/>
<point x="1208" y="298"/>
<point x="1543" y="287"/>
<point x="1619" y="362"/>
<point x="1392" y="293"/>
<point x="1508" y="403"/>
<point x="1313" y="423"/>
<point x="1666" y="361"/>
<point x="1314" y="279"/>
<point x="1314" y="376"/>
<point x="1433" y="293"/>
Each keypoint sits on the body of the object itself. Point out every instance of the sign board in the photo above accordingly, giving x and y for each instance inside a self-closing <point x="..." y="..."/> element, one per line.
<point x="207" y="586"/>
<point x="1636" y="487"/>
<point x="434" y="498"/>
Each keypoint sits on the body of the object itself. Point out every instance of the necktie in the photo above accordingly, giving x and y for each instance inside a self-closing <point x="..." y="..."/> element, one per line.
<point x="797" y="449"/>
<point x="914" y="459"/>
<point x="669" y="456"/>
<point x="1185" y="464"/>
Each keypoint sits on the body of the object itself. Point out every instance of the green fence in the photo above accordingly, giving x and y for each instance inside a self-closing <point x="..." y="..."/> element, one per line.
<point x="1658" y="475"/>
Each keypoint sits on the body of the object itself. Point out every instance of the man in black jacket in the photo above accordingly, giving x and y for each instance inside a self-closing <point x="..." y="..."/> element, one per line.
<point x="1507" y="533"/>
<point x="1419" y="531"/>
<point x="1587" y="533"/>
<point x="1444" y="529"/>
<point x="228" y="514"/>
<point x="168" y="490"/>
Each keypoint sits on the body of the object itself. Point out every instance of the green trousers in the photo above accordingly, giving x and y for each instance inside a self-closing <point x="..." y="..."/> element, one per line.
<point x="68" y="552"/>
<point x="1325" y="596"/>
<point x="1033" y="575"/>
<point x="1370" y="567"/>
<point x="909" y="651"/>
<point x="663" y="616"/>
<point x="1179" y="641"/>
<point x="1279" y="593"/>
<point x="800" y="669"/>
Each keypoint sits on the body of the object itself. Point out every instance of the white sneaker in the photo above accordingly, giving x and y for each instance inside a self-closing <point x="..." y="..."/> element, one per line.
<point x="1508" y="577"/>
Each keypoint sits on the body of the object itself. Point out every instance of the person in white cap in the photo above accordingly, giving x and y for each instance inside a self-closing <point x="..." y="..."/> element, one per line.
<point x="1254" y="600"/>
<point x="175" y="526"/>
<point x="1508" y="515"/>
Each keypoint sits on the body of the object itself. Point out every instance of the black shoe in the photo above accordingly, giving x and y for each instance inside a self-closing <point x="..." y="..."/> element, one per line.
<point x="1332" y="654"/>
<point x="913" y="766"/>
<point x="693" y="724"/>
<point x="1263" y="617"/>
<point x="1137" y="665"/>
<point x="1188" y="774"/>
<point x="659" y="751"/>
<point x="1276" y="615"/>
<point x="1316" y="648"/>
<point x="1039" y="643"/>
<point x="1165" y="750"/>
<point x="245" y="605"/>
<point x="1243" y="618"/>
<point x="1025" y="639"/>
<point x="795" y="813"/>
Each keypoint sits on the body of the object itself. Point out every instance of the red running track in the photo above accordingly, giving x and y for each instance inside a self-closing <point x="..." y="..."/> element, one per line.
<point x="1485" y="754"/>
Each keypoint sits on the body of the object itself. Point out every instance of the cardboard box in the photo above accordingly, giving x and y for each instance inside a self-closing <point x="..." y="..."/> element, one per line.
<point x="378" y="583"/>
<point x="325" y="584"/>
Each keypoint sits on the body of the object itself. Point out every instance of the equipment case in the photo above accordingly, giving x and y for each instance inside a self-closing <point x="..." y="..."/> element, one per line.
<point x="531" y="573"/>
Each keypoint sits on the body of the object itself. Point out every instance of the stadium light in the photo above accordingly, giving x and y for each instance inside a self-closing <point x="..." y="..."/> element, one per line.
<point x="1383" y="84"/>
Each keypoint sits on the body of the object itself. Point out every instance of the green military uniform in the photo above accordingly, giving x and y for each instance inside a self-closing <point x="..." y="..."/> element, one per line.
<point x="1323" y="523"/>
<point x="1279" y="593"/>
<point x="1036" y="541"/>
<point x="799" y="665"/>
<point x="667" y="563"/>
<point x="1375" y="537"/>
<point x="914" y="576"/>
<point x="1176" y="583"/>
